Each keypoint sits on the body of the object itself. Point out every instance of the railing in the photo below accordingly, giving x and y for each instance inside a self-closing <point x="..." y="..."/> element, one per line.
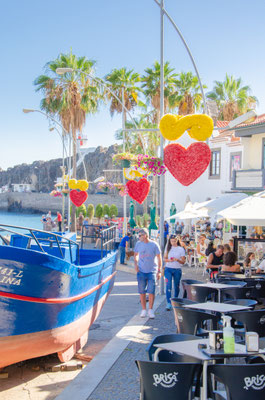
<point x="106" y="236"/>
<point x="248" y="179"/>
<point x="34" y="235"/>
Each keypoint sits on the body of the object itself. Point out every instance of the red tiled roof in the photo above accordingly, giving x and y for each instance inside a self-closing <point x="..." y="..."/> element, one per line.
<point x="260" y="119"/>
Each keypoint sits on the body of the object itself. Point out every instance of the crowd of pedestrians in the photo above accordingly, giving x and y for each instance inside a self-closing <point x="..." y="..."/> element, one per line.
<point x="180" y="248"/>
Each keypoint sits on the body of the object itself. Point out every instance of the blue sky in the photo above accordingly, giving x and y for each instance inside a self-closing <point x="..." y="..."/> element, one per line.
<point x="224" y="36"/>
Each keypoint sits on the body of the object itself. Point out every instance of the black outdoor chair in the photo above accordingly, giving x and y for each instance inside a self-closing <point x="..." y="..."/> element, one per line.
<point x="242" y="381"/>
<point x="179" y="302"/>
<point x="200" y="294"/>
<point x="258" y="290"/>
<point x="169" y="356"/>
<point x="236" y="293"/>
<point x="193" y="322"/>
<point x="243" y="302"/>
<point x="186" y="282"/>
<point x="171" y="381"/>
<point x="252" y="320"/>
<point x="232" y="282"/>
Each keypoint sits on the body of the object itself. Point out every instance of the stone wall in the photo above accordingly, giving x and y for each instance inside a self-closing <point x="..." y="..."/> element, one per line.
<point x="43" y="202"/>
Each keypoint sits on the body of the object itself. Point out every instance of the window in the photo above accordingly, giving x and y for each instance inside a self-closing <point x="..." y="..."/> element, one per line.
<point x="215" y="164"/>
<point x="235" y="163"/>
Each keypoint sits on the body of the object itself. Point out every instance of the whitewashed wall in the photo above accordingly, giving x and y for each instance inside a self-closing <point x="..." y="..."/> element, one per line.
<point x="204" y="188"/>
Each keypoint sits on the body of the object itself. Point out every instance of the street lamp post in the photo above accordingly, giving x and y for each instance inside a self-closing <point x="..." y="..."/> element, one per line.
<point x="62" y="136"/>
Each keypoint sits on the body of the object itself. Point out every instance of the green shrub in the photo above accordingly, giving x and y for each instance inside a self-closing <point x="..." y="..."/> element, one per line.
<point x="99" y="211"/>
<point x="90" y="211"/>
<point x="106" y="210"/>
<point x="113" y="211"/>
<point x="81" y="209"/>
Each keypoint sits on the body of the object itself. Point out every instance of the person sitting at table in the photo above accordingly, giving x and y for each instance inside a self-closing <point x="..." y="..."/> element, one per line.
<point x="229" y="264"/>
<point x="261" y="268"/>
<point x="210" y="249"/>
<point x="215" y="260"/>
<point x="250" y="261"/>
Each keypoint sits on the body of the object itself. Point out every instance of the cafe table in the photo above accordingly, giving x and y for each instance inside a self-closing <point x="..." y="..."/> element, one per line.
<point x="216" y="307"/>
<point x="200" y="349"/>
<point x="218" y="286"/>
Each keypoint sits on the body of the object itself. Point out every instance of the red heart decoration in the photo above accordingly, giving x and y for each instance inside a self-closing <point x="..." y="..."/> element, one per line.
<point x="78" y="198"/>
<point x="186" y="165"/>
<point x="138" y="191"/>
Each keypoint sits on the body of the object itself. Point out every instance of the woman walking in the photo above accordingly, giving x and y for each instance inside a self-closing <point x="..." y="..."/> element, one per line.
<point x="174" y="258"/>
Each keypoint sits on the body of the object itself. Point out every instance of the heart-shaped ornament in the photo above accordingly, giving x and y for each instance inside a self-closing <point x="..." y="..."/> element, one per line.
<point x="199" y="126"/>
<point x="138" y="191"/>
<point x="78" y="198"/>
<point x="187" y="165"/>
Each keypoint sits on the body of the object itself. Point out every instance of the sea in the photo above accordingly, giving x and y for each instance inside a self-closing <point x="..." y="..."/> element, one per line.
<point x="21" y="219"/>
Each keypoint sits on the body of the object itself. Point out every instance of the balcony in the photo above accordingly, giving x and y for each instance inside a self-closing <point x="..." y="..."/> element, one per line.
<point x="249" y="179"/>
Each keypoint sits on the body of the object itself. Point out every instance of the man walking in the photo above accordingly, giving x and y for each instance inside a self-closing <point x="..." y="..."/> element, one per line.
<point x="123" y="247"/>
<point x="145" y="253"/>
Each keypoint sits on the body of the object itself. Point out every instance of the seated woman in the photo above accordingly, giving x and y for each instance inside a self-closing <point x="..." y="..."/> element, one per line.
<point x="215" y="260"/>
<point x="250" y="261"/>
<point x="229" y="261"/>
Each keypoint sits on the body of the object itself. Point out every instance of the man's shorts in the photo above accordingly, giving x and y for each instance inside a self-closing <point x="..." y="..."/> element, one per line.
<point x="146" y="282"/>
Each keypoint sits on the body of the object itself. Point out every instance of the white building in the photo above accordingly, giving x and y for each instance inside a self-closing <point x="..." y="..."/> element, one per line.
<point x="22" y="187"/>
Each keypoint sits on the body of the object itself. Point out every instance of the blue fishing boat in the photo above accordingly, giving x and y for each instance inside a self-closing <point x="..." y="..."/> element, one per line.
<point x="51" y="291"/>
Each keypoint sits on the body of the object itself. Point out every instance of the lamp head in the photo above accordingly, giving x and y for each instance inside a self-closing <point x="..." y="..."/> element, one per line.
<point x="62" y="71"/>
<point x="27" y="110"/>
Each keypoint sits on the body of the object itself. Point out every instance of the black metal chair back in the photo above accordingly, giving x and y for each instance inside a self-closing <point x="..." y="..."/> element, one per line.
<point x="258" y="291"/>
<point x="186" y="282"/>
<point x="243" y="302"/>
<point x="200" y="294"/>
<point x="193" y="322"/>
<point x="233" y="282"/>
<point x="169" y="356"/>
<point x="244" y="382"/>
<point x="253" y="320"/>
<point x="171" y="381"/>
<point x="178" y="302"/>
<point x="237" y="293"/>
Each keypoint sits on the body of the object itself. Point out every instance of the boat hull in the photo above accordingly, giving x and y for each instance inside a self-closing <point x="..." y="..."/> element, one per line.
<point x="64" y="340"/>
<point x="52" y="306"/>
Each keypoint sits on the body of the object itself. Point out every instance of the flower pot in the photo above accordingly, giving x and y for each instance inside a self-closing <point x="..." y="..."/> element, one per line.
<point x="126" y="163"/>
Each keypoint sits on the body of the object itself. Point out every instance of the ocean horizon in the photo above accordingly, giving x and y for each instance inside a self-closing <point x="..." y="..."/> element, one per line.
<point x="26" y="220"/>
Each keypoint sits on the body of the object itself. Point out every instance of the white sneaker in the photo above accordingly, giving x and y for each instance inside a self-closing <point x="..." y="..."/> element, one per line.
<point x="151" y="313"/>
<point x="143" y="314"/>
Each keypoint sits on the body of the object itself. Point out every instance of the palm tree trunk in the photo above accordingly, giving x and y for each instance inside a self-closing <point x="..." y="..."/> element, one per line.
<point x="73" y="211"/>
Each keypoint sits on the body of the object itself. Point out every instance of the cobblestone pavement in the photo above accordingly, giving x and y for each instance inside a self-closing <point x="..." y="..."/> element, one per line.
<point x="122" y="380"/>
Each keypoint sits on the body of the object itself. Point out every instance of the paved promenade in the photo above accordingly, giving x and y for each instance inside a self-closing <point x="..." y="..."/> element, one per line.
<point x="113" y="374"/>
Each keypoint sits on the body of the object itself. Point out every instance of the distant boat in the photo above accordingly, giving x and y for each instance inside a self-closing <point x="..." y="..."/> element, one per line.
<point x="50" y="292"/>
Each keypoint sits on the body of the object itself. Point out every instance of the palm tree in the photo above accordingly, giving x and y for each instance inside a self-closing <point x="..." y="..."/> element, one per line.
<point x="120" y="80"/>
<point x="232" y="98"/>
<point x="189" y="93"/>
<point x="69" y="97"/>
<point x="151" y="86"/>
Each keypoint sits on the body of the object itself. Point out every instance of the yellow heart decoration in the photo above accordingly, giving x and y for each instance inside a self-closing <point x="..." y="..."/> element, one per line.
<point x="72" y="183"/>
<point x="81" y="184"/>
<point x="131" y="173"/>
<point x="199" y="126"/>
